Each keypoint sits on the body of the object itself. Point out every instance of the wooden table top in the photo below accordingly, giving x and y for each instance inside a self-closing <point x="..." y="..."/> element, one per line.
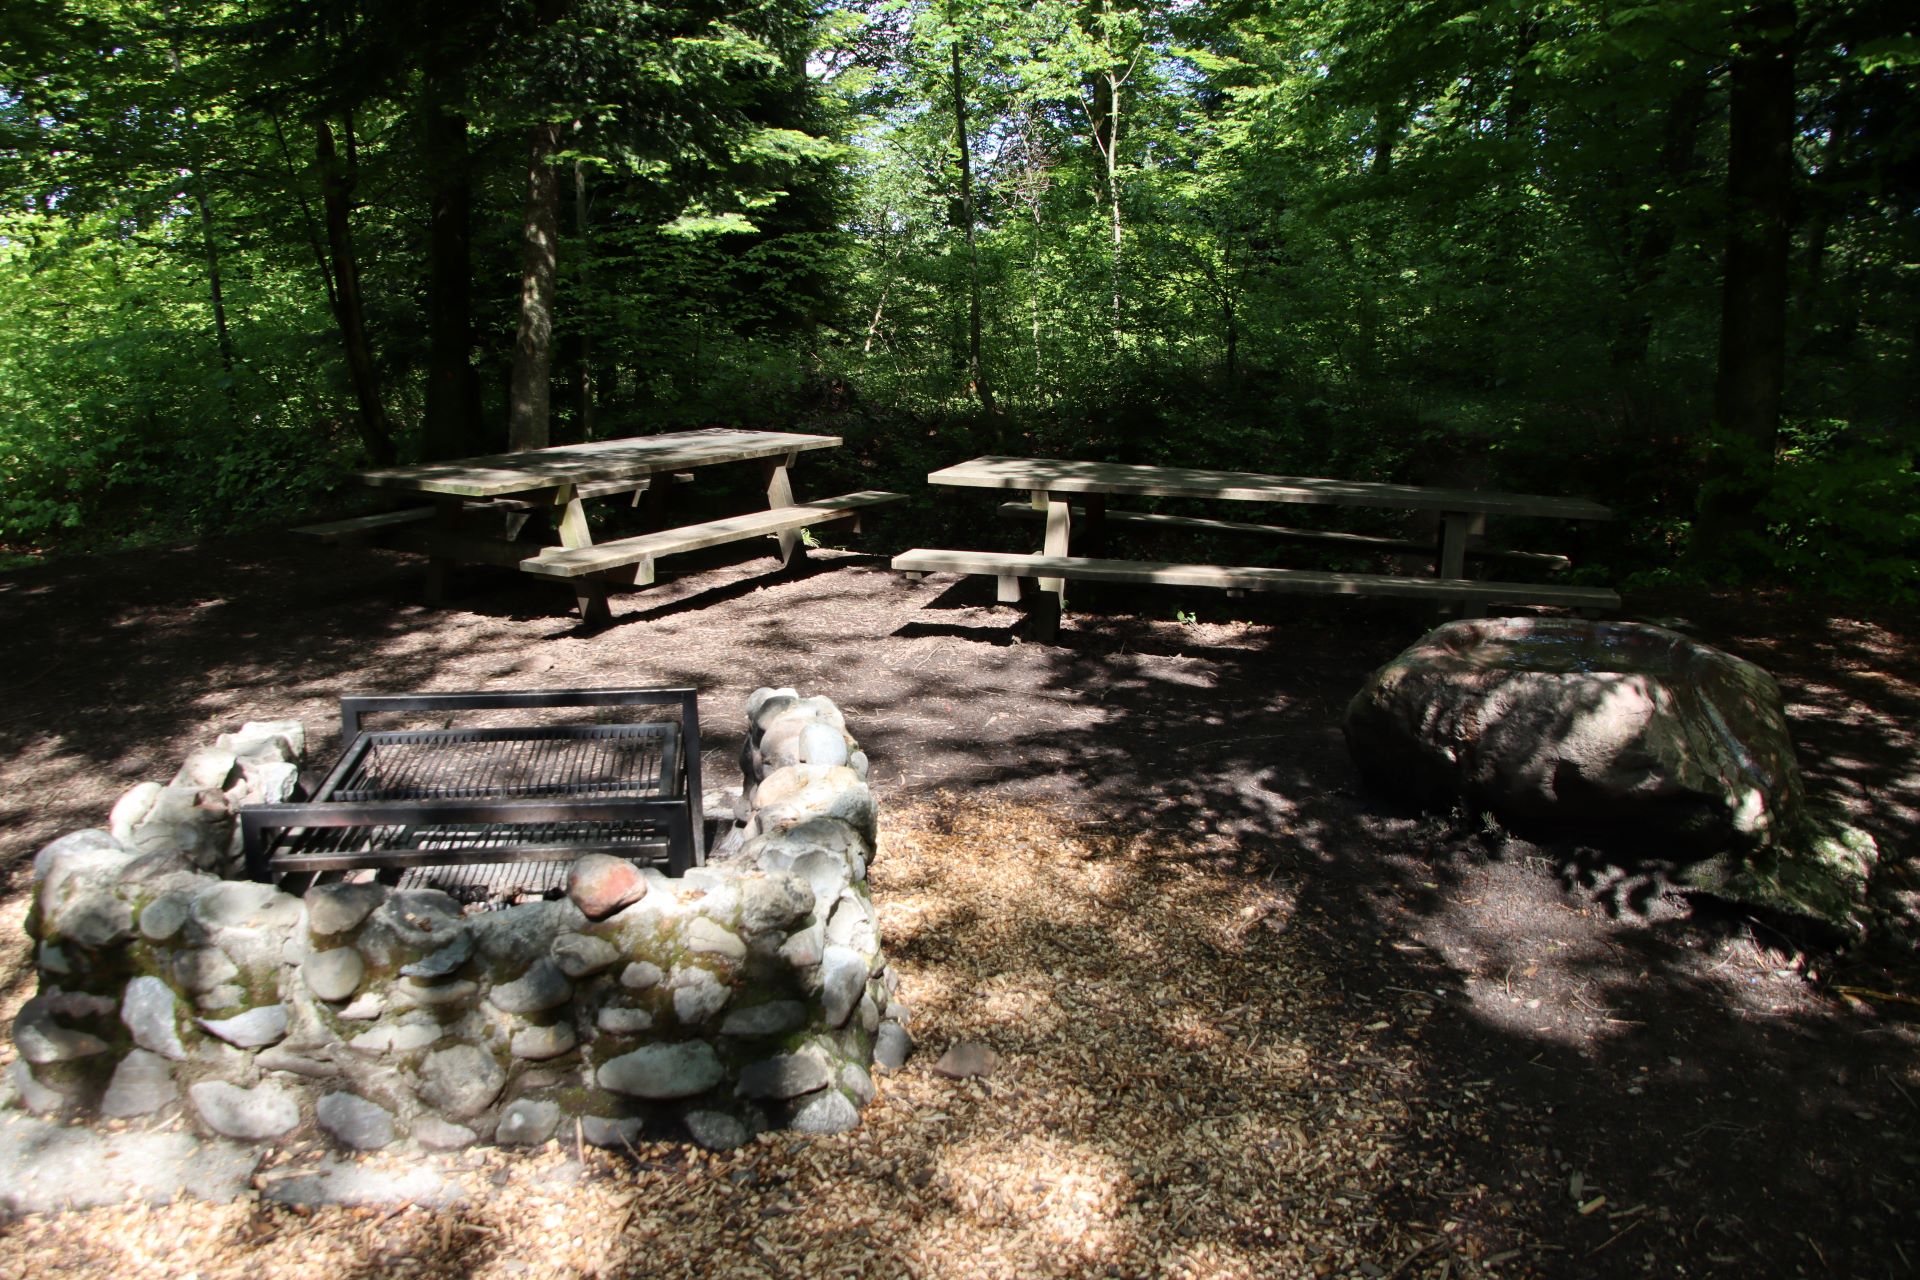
<point x="1062" y="476"/>
<point x="633" y="457"/>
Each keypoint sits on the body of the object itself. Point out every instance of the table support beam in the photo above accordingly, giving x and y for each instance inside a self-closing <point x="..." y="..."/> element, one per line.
<point x="780" y="494"/>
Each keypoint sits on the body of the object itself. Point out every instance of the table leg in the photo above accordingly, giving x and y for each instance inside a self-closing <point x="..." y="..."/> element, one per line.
<point x="570" y="521"/>
<point x="1456" y="527"/>
<point x="1059" y="535"/>
<point x="1093" y="525"/>
<point x="780" y="494"/>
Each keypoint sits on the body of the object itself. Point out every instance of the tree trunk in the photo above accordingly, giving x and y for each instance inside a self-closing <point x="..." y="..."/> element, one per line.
<point x="586" y="406"/>
<point x="1753" y="313"/>
<point x="336" y="198"/>
<point x="1678" y="165"/>
<point x="453" y="388"/>
<point x="527" y="400"/>
<point x="976" y="372"/>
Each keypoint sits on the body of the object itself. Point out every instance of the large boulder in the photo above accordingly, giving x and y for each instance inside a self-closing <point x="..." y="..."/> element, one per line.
<point x="1609" y="723"/>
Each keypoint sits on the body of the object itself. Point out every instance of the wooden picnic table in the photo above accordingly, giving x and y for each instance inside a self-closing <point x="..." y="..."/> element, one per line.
<point x="560" y="480"/>
<point x="1053" y="484"/>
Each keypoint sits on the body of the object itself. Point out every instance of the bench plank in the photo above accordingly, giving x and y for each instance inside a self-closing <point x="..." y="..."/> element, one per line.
<point x="364" y="526"/>
<point x="1253" y="578"/>
<point x="1357" y="541"/>
<point x="581" y="561"/>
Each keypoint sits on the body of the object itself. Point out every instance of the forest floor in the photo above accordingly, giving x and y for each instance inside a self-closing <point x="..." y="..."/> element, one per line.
<point x="1251" y="1019"/>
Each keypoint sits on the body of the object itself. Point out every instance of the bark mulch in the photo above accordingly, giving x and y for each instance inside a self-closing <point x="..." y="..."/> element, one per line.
<point x="1248" y="1019"/>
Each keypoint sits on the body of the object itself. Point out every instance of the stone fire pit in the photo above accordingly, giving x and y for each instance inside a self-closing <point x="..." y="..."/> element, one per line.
<point x="751" y="993"/>
<point x="1616" y="725"/>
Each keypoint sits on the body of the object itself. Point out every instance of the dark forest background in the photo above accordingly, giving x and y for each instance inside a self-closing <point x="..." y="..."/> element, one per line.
<point x="1659" y="254"/>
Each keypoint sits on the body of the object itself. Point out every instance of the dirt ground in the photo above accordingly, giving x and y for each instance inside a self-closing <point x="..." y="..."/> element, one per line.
<point x="1526" y="1056"/>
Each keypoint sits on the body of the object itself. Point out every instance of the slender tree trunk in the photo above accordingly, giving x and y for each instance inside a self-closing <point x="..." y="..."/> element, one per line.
<point x="215" y="295"/>
<point x="976" y="371"/>
<point x="585" y="407"/>
<point x="1753" y="315"/>
<point x="531" y="387"/>
<point x="336" y="198"/>
<point x="453" y="388"/>
<point x="1833" y="162"/>
<point x="1678" y="166"/>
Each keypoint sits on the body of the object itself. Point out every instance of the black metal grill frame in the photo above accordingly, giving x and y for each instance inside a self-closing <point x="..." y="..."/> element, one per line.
<point x="438" y="797"/>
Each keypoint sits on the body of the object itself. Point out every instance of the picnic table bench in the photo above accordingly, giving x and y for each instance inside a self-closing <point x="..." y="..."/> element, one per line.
<point x="1056" y="485"/>
<point x="511" y="487"/>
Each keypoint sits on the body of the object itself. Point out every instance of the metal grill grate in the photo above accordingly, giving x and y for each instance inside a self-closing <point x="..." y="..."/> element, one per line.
<point x="506" y="764"/>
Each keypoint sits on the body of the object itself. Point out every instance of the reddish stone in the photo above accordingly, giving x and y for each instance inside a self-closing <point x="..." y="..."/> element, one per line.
<point x="601" y="884"/>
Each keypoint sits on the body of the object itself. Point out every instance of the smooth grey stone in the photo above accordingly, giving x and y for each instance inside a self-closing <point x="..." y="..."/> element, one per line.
<point x="244" y="904"/>
<point x="335" y="974"/>
<point x="403" y="1037"/>
<point x="79" y="1004"/>
<point x="76" y="847"/>
<point x="441" y="962"/>
<point x="579" y="954"/>
<point x="53" y="959"/>
<point x="425" y="919"/>
<point x="164" y="917"/>
<point x="520" y="935"/>
<point x="697" y="996"/>
<point x="616" y="1021"/>
<point x="94" y="919"/>
<point x="787" y="1075"/>
<point x="663" y="1071"/>
<point x="829" y="1112"/>
<point x="716" y="1130"/>
<point x="41" y="1040"/>
<point x="855" y="1080"/>
<point x="541" y="987"/>
<point x="773" y="900"/>
<point x="891" y="1045"/>
<point x="252" y="1029"/>
<point x="51" y="1167"/>
<point x="363" y="1008"/>
<point x="460" y="1080"/>
<point x="773" y="1018"/>
<point x="227" y="995"/>
<point x="313" y="1061"/>
<point x="337" y="908"/>
<point x="527" y="1123"/>
<point x="869" y="1013"/>
<point x="822" y="744"/>
<point x="601" y="1131"/>
<point x="827" y="873"/>
<point x="203" y="969"/>
<point x="207" y="767"/>
<point x="640" y="975"/>
<point x="410" y="992"/>
<point x="141" y="1084"/>
<point x="710" y="938"/>
<point x="270" y="782"/>
<point x="806" y="948"/>
<point x="965" y="1059"/>
<point x="357" y="1183"/>
<point x="354" y="1122"/>
<point x="148" y="1010"/>
<point x="537" y="1044"/>
<point x="266" y="739"/>
<point x="266" y="1111"/>
<point x="36" y="1097"/>
<point x="843" y="980"/>
<point x="442" y="1135"/>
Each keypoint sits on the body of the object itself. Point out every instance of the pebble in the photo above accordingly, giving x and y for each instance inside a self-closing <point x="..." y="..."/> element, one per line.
<point x="203" y="969"/>
<point x="830" y="1112"/>
<point x="460" y="1080"/>
<point x="334" y="909"/>
<point x="537" y="1044"/>
<point x="142" y="1084"/>
<point x="442" y="1135"/>
<point x="843" y="980"/>
<point x="891" y="1045"/>
<point x="404" y="1037"/>
<point x="541" y="987"/>
<point x="716" y="1130"/>
<point x="786" y="1075"/>
<point x="148" y="1012"/>
<point x="663" y="1071"/>
<point x="442" y="962"/>
<point x="252" y="1029"/>
<point x="354" y="1122"/>
<point x="335" y="974"/>
<point x="578" y="955"/>
<point x="704" y="935"/>
<point x="640" y="975"/>
<point x="615" y="1133"/>
<point x="616" y="1021"/>
<point x="266" y="1111"/>
<point x="966" y="1058"/>
<point x="527" y="1123"/>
